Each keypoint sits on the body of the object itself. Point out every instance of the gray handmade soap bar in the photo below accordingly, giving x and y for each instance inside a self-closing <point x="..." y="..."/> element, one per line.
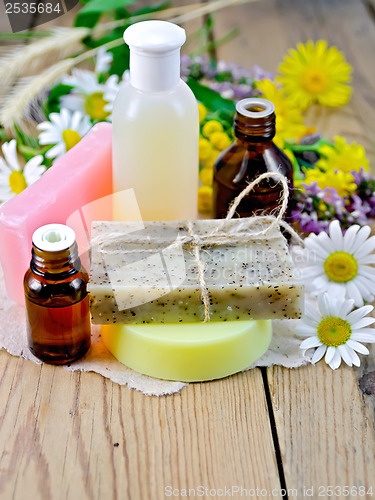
<point x="150" y="274"/>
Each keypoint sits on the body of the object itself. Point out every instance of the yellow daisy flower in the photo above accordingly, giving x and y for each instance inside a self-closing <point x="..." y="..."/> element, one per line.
<point x="343" y="182"/>
<point x="205" y="149"/>
<point x="220" y="140"/>
<point x="210" y="127"/>
<point x="209" y="162"/>
<point x="206" y="176"/>
<point x="315" y="73"/>
<point x="204" y="198"/>
<point x="343" y="156"/>
<point x="202" y="112"/>
<point x="289" y="123"/>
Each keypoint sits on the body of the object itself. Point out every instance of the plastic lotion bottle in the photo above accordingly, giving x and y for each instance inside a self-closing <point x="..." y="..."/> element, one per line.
<point x="156" y="127"/>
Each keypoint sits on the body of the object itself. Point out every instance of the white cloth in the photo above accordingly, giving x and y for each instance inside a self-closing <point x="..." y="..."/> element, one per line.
<point x="284" y="350"/>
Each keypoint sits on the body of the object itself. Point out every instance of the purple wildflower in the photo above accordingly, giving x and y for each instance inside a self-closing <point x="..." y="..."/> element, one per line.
<point x="260" y="74"/>
<point x="228" y="79"/>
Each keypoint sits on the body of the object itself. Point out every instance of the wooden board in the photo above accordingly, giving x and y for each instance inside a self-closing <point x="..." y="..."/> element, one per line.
<point x="70" y="435"/>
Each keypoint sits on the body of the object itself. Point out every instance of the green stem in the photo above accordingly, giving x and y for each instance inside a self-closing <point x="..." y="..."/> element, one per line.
<point x="301" y="148"/>
<point x="16" y="36"/>
<point x="28" y="151"/>
<point x="297" y="174"/>
<point x="90" y="53"/>
<point x="219" y="41"/>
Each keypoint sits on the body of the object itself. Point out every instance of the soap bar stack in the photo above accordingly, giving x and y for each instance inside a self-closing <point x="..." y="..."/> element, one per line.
<point x="149" y="276"/>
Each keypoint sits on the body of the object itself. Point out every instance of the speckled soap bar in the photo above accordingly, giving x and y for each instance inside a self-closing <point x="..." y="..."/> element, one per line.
<point x="142" y="274"/>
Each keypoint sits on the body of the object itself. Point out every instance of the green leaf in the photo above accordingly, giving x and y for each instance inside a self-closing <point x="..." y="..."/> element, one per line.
<point x="3" y="135"/>
<point x="52" y="104"/>
<point x="120" y="63"/>
<point x="152" y="8"/>
<point x="99" y="6"/>
<point x="25" y="139"/>
<point x="89" y="14"/>
<point x="28" y="152"/>
<point x="211" y="99"/>
<point x="86" y="20"/>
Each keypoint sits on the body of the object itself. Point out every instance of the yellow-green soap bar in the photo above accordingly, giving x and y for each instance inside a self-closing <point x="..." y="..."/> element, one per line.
<point x="189" y="352"/>
<point x="143" y="276"/>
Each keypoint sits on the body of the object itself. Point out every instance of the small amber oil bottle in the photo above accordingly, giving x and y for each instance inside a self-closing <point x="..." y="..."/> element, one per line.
<point x="57" y="304"/>
<point x="252" y="154"/>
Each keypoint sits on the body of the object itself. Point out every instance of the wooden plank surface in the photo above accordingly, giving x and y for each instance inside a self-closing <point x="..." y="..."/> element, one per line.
<point x="72" y="435"/>
<point x="326" y="432"/>
<point x="59" y="431"/>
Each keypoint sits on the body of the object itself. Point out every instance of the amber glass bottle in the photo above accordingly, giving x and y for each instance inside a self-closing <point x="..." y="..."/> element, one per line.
<point x="57" y="304"/>
<point x="252" y="153"/>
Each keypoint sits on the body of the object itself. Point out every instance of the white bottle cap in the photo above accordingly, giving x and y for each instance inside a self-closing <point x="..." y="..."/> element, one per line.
<point x="154" y="55"/>
<point x="255" y="107"/>
<point x="54" y="238"/>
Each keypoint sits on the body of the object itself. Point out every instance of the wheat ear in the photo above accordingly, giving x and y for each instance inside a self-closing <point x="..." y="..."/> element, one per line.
<point x="14" y="106"/>
<point x="35" y="56"/>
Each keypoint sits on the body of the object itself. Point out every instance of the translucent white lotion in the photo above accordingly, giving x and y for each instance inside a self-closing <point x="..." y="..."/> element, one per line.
<point x="156" y="127"/>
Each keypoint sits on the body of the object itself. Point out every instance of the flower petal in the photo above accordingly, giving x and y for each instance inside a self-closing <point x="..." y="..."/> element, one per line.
<point x="369" y="259"/>
<point x="303" y="329"/>
<point x="315" y="249"/>
<point x="56" y="151"/>
<point x="354" y="293"/>
<point x="365" y="249"/>
<point x="331" y="351"/>
<point x="345" y="307"/>
<point x="361" y="237"/>
<point x="356" y="346"/>
<point x="363" y="289"/>
<point x="318" y="354"/>
<point x="345" y="354"/>
<point x="357" y="325"/>
<point x="310" y="342"/>
<point x="360" y="336"/>
<point x="325" y="241"/>
<point x="349" y="238"/>
<point x="358" y="314"/>
<point x="355" y="359"/>
<point x="336" y="361"/>
<point x="336" y="234"/>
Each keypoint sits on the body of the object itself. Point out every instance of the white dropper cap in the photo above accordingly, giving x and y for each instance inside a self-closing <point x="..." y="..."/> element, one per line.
<point x="154" y="55"/>
<point x="54" y="237"/>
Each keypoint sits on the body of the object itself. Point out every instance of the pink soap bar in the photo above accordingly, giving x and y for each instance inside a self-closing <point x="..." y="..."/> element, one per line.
<point x="71" y="192"/>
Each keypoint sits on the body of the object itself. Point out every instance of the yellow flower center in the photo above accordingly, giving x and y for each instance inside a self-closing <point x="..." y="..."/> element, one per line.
<point x="17" y="182"/>
<point x="95" y="106"/>
<point x="314" y="81"/>
<point x="341" y="267"/>
<point x="334" y="331"/>
<point x="70" y="138"/>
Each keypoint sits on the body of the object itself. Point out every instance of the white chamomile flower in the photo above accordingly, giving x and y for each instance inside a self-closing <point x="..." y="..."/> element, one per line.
<point x="103" y="61"/>
<point x="339" y="264"/>
<point x="64" y="130"/>
<point x="13" y="178"/>
<point x="336" y="331"/>
<point x="87" y="95"/>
